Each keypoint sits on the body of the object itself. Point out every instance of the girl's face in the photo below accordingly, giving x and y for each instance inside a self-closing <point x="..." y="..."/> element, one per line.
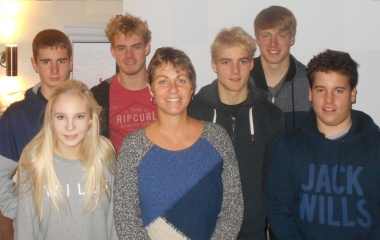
<point x="70" y="120"/>
<point x="172" y="91"/>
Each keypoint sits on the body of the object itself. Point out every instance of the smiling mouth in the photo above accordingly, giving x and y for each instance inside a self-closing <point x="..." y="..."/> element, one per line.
<point x="274" y="52"/>
<point x="326" y="109"/>
<point x="129" y="63"/>
<point x="70" y="137"/>
<point x="172" y="99"/>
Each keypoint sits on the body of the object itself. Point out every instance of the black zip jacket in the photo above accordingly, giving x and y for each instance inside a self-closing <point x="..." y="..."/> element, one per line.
<point x="102" y="96"/>
<point x="254" y="141"/>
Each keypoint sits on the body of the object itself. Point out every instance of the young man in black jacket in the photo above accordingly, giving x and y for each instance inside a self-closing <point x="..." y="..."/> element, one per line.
<point x="253" y="123"/>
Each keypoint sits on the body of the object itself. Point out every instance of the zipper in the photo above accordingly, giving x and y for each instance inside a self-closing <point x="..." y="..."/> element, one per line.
<point x="233" y="127"/>
<point x="273" y="99"/>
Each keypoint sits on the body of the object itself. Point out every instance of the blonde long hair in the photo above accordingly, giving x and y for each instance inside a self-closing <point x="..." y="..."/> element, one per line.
<point x="36" y="168"/>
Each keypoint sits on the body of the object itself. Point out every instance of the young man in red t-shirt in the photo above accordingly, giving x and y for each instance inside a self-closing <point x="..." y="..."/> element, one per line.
<point x="125" y="96"/>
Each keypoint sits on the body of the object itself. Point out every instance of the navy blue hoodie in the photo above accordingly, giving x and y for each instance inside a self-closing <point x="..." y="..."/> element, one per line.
<point x="20" y="123"/>
<point x="326" y="189"/>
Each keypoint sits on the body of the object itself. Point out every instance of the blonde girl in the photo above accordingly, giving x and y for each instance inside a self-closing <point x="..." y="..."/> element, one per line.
<point x="65" y="175"/>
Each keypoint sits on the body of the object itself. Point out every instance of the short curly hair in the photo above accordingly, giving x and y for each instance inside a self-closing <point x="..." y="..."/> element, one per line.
<point x="128" y="25"/>
<point x="236" y="36"/>
<point x="276" y="17"/>
<point x="333" y="61"/>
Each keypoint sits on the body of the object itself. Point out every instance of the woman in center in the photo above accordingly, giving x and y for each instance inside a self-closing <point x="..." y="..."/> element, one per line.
<point x="177" y="178"/>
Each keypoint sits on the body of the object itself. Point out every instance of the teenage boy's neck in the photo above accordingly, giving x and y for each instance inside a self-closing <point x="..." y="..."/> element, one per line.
<point x="329" y="131"/>
<point x="46" y="91"/>
<point x="231" y="97"/>
<point x="133" y="82"/>
<point x="275" y="72"/>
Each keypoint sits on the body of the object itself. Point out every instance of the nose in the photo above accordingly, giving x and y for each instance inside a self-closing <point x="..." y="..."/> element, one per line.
<point x="329" y="97"/>
<point x="273" y="41"/>
<point x="235" y="69"/>
<point x="129" y="53"/>
<point x="54" y="68"/>
<point x="173" y="87"/>
<point x="70" y="125"/>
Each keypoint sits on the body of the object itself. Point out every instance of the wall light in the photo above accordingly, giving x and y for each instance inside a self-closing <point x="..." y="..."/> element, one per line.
<point x="8" y="59"/>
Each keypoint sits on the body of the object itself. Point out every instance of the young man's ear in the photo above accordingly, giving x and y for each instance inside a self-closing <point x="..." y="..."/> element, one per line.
<point x="310" y="97"/>
<point x="213" y="65"/>
<point x="71" y="63"/>
<point x="353" y="95"/>
<point x="112" y="51"/>
<point x="292" y="40"/>
<point x="34" y="64"/>
<point x="256" y="42"/>
<point x="252" y="64"/>
<point x="147" y="49"/>
<point x="150" y="91"/>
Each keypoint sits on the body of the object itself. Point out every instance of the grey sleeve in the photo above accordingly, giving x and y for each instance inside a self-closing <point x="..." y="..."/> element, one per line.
<point x="230" y="217"/>
<point x="8" y="200"/>
<point x="126" y="200"/>
<point x="111" y="230"/>
<point x="26" y="221"/>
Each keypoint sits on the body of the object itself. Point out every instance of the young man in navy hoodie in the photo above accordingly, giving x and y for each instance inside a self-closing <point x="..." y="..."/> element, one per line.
<point x="324" y="180"/>
<point x="52" y="60"/>
<point x="253" y="123"/>
<point x="277" y="71"/>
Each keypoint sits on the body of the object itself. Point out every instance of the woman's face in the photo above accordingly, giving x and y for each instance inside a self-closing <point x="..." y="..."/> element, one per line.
<point x="171" y="90"/>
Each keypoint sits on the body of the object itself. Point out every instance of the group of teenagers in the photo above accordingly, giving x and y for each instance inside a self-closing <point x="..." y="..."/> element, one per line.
<point x="269" y="148"/>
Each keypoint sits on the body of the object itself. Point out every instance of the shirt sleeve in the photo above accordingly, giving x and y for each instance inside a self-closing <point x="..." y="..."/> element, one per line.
<point x="126" y="200"/>
<point x="230" y="217"/>
<point x="280" y="199"/>
<point x="8" y="200"/>
<point x="8" y="143"/>
<point x="26" y="221"/>
<point x="111" y="235"/>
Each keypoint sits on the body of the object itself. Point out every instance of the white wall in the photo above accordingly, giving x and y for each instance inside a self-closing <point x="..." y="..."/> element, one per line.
<point x="27" y="18"/>
<point x="347" y="25"/>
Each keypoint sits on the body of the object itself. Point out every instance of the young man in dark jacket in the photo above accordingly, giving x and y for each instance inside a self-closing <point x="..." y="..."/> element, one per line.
<point x="277" y="71"/>
<point x="252" y="122"/>
<point x="125" y="97"/>
<point x="324" y="180"/>
<point x="52" y="60"/>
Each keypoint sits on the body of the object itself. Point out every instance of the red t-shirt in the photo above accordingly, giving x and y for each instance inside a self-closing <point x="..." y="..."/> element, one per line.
<point x="129" y="111"/>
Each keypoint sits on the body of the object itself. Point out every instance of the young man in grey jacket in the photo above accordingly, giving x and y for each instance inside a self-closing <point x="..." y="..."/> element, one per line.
<point x="276" y="70"/>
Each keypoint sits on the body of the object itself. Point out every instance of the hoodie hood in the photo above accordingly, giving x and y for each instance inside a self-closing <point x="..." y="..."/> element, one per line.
<point x="33" y="99"/>
<point x="362" y="125"/>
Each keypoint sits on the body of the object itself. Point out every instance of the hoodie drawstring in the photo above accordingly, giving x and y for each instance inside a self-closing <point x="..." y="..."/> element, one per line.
<point x="251" y="123"/>
<point x="251" y="126"/>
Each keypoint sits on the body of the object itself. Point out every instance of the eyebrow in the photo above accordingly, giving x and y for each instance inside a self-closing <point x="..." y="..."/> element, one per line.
<point x="229" y="59"/>
<point x="133" y="45"/>
<point x="61" y="113"/>
<point x="48" y="59"/>
<point x="178" y="75"/>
